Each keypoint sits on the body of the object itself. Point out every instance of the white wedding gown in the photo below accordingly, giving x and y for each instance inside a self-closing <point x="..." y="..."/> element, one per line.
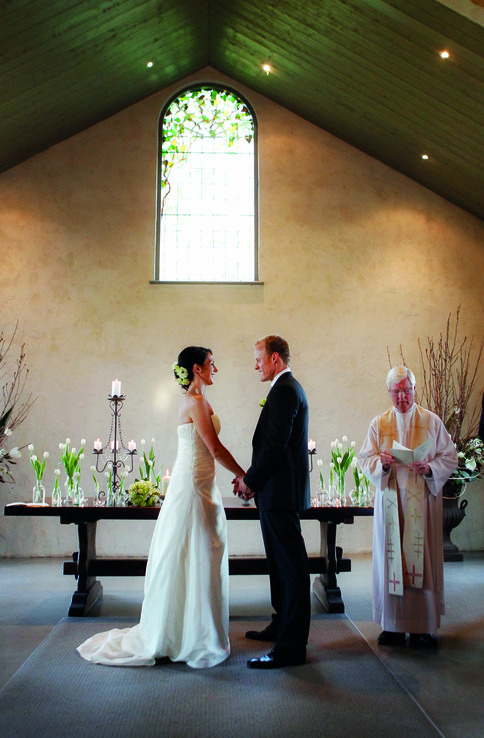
<point x="185" y="613"/>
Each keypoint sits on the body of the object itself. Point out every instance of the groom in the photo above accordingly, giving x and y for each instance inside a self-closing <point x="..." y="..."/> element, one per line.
<point x="278" y="479"/>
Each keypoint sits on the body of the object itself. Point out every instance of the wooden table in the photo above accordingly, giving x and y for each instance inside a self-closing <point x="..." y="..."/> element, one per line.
<point x="85" y="566"/>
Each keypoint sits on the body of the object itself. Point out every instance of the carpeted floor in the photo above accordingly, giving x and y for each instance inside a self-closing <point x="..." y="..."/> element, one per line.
<point x="343" y="684"/>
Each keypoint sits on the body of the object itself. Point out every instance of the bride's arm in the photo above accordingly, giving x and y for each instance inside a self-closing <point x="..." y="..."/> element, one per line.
<point x="201" y="415"/>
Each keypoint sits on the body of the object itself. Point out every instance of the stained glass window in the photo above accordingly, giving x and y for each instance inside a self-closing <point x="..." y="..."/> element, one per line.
<point x="207" y="189"/>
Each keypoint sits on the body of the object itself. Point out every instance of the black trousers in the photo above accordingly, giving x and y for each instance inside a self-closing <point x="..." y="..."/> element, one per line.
<point x="289" y="577"/>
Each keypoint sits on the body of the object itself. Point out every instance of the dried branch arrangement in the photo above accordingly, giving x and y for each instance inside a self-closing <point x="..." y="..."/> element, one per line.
<point x="450" y="368"/>
<point x="13" y="408"/>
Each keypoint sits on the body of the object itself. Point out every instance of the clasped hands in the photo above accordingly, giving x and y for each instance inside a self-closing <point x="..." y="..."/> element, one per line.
<point x="419" y="467"/>
<point x="241" y="490"/>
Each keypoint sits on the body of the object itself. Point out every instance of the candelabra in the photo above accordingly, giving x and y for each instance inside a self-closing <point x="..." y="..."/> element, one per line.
<point x="121" y="456"/>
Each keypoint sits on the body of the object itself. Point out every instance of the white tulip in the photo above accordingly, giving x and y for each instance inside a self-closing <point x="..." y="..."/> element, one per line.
<point x="31" y="446"/>
<point x="46" y="454"/>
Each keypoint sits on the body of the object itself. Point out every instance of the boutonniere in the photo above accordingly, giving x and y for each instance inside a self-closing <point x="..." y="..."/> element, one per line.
<point x="263" y="401"/>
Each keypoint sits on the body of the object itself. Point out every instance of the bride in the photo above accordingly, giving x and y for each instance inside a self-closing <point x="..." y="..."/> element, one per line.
<point x="185" y="612"/>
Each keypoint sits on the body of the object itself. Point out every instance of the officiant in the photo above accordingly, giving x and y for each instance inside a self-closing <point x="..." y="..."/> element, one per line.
<point x="408" y="455"/>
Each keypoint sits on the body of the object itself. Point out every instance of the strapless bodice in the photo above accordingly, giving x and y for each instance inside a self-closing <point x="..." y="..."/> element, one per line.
<point x="193" y="455"/>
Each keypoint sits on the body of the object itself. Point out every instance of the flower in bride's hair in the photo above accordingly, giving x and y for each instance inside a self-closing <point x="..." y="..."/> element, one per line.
<point x="181" y="375"/>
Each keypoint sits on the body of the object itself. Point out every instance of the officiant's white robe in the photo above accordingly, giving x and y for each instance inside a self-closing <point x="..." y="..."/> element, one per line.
<point x="418" y="610"/>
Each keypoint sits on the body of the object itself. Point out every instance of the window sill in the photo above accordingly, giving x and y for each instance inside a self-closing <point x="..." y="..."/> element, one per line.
<point x="244" y="284"/>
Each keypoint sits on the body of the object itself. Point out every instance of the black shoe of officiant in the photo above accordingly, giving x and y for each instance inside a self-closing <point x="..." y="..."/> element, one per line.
<point x="389" y="638"/>
<point x="268" y="634"/>
<point x="423" y="640"/>
<point x="277" y="658"/>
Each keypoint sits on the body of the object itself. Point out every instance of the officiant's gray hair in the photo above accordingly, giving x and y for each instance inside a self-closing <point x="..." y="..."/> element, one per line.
<point x="399" y="373"/>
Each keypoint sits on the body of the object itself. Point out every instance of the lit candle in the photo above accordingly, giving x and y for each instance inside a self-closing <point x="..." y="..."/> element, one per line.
<point x="165" y="482"/>
<point x="132" y="446"/>
<point x="311" y="445"/>
<point x="112" y="445"/>
<point x="98" y="445"/>
<point x="116" y="388"/>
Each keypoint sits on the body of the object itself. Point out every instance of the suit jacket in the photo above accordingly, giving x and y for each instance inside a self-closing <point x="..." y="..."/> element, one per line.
<point x="279" y="473"/>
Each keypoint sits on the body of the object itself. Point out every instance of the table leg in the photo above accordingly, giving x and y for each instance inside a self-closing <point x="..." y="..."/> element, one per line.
<point x="325" y="587"/>
<point x="89" y="589"/>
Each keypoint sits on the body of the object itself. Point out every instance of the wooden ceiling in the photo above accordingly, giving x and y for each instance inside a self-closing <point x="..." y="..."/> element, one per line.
<point x="367" y="71"/>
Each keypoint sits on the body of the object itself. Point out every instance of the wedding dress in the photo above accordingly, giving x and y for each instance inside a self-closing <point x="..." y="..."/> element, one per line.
<point x="185" y="609"/>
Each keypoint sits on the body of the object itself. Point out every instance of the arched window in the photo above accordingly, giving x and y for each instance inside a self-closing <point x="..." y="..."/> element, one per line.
<point x="207" y="189"/>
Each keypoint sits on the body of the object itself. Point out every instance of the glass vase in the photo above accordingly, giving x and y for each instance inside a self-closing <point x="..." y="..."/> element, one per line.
<point x="78" y="498"/>
<point x="339" y="493"/>
<point x="69" y="488"/>
<point x="56" y="497"/>
<point x="110" y="497"/>
<point x="38" y="494"/>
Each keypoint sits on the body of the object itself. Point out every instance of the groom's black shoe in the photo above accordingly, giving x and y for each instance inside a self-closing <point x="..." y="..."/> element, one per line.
<point x="268" y="634"/>
<point x="276" y="658"/>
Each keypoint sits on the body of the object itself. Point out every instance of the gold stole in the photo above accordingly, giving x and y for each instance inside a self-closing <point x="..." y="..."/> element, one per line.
<point x="404" y="560"/>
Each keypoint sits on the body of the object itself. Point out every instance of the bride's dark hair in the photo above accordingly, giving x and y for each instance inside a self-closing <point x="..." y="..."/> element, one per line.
<point x="187" y="358"/>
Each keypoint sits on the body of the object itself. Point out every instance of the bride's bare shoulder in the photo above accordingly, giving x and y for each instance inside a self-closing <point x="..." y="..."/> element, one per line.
<point x="192" y="407"/>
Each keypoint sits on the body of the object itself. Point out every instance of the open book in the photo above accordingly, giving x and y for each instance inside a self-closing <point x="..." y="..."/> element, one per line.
<point x="406" y="456"/>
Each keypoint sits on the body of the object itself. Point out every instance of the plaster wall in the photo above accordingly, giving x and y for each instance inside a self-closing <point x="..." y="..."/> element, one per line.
<point x="354" y="259"/>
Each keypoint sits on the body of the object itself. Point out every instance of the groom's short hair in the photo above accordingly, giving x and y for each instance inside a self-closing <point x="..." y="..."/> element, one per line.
<point x="277" y="345"/>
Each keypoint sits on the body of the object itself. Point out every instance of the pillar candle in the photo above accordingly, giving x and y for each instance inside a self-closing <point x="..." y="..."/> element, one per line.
<point x="116" y="388"/>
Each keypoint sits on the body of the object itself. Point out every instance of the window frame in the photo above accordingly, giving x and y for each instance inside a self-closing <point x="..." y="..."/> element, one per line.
<point x="195" y="87"/>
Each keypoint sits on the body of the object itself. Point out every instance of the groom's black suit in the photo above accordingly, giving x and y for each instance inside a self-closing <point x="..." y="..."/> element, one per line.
<point x="279" y="476"/>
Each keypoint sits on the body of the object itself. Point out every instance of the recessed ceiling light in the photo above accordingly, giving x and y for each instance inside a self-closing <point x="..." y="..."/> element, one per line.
<point x="150" y="64"/>
<point x="425" y="156"/>
<point x="444" y="54"/>
<point x="267" y="68"/>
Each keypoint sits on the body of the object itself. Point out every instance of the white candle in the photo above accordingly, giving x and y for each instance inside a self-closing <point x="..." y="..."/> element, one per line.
<point x="132" y="446"/>
<point x="165" y="482"/>
<point x="116" y="388"/>
<point x="311" y="445"/>
<point x="112" y="445"/>
<point x="98" y="445"/>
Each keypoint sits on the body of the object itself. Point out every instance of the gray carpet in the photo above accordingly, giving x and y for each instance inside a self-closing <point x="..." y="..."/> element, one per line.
<point x="343" y="690"/>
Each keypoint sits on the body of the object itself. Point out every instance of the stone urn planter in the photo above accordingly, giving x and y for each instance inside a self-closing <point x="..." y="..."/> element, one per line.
<point x="453" y="513"/>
